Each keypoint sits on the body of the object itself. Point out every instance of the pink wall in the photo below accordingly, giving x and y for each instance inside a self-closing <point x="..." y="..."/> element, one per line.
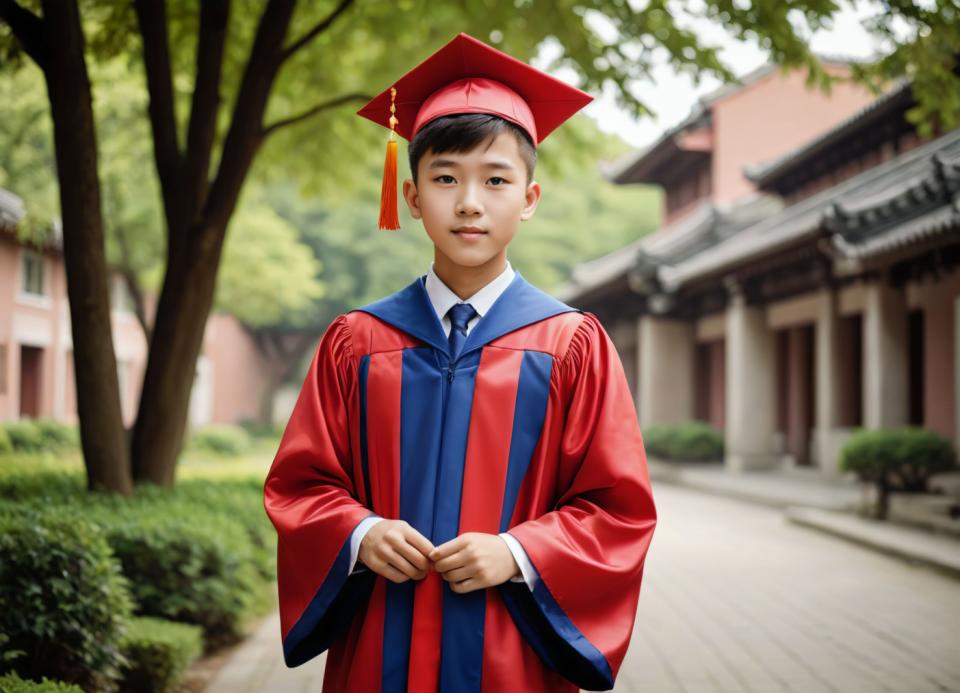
<point x="239" y="376"/>
<point x="768" y="118"/>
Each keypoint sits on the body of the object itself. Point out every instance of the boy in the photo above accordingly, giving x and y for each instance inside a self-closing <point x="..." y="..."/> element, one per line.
<point x="461" y="493"/>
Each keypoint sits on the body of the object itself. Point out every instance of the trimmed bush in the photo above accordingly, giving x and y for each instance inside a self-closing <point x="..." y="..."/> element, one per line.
<point x="63" y="600"/>
<point x="25" y="435"/>
<point x="694" y="441"/>
<point x="57" y="436"/>
<point x="11" y="683"/>
<point x="227" y="441"/>
<point x="258" y="429"/>
<point x="158" y="653"/>
<point x="184" y="564"/>
<point x="900" y="459"/>
<point x="6" y="445"/>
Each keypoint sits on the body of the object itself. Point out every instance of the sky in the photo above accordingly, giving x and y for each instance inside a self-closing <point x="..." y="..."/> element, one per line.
<point x="673" y="95"/>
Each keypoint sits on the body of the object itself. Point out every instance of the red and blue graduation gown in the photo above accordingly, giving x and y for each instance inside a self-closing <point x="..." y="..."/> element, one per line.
<point x="531" y="430"/>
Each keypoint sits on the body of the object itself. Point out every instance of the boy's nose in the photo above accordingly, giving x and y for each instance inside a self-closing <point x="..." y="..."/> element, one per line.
<point x="468" y="203"/>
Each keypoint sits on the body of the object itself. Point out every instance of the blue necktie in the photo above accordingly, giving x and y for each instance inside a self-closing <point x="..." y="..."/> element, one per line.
<point x="460" y="314"/>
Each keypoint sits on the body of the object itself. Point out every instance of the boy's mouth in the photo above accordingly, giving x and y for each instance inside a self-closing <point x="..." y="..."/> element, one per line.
<point x="469" y="232"/>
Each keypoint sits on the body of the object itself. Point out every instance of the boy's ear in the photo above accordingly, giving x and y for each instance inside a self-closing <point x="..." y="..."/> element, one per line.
<point x="412" y="197"/>
<point x="532" y="200"/>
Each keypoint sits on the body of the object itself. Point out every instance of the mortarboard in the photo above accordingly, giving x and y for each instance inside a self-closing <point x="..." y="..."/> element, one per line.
<point x="467" y="76"/>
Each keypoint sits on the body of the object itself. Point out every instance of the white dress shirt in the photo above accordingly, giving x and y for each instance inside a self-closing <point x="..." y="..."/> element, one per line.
<point x="443" y="298"/>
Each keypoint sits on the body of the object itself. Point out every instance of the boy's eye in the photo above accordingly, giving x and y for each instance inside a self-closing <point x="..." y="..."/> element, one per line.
<point x="441" y="179"/>
<point x="502" y="180"/>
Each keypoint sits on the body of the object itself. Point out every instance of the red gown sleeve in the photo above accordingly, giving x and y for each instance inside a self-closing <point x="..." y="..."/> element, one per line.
<point x="590" y="550"/>
<point x="311" y="496"/>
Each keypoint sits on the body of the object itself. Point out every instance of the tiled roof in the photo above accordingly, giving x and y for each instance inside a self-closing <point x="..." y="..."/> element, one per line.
<point x="700" y="229"/>
<point x="809" y="216"/>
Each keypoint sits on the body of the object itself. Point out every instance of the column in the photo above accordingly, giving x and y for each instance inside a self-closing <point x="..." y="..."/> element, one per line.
<point x="829" y="383"/>
<point x="751" y="387"/>
<point x="885" y="380"/>
<point x="666" y="371"/>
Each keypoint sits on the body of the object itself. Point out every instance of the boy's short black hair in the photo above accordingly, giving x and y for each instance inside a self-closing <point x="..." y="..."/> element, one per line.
<point x="461" y="132"/>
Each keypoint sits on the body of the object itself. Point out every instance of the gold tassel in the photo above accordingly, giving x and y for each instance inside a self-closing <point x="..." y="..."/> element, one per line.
<point x="389" y="219"/>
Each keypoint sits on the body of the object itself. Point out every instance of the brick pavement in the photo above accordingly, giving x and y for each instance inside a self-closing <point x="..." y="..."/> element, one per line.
<point x="735" y="598"/>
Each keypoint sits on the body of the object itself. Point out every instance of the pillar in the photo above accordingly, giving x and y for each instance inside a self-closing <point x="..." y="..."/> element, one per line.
<point x="885" y="378"/>
<point x="666" y="354"/>
<point x="828" y="379"/>
<point x="751" y="412"/>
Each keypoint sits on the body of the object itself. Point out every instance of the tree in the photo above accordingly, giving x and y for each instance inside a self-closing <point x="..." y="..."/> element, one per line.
<point x="259" y="78"/>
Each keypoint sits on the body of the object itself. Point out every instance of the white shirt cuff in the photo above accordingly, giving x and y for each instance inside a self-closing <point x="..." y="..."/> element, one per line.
<point x="358" y="533"/>
<point x="528" y="573"/>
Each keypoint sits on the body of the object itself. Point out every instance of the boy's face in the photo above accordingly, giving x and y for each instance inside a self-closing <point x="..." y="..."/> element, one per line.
<point x="485" y="188"/>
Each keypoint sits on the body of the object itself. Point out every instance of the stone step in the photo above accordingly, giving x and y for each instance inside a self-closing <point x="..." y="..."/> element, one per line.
<point x="947" y="483"/>
<point x="927" y="510"/>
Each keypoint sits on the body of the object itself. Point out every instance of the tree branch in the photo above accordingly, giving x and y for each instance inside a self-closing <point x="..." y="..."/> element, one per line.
<point x="152" y="17"/>
<point x="310" y="112"/>
<point x="211" y="37"/>
<point x="27" y="27"/>
<point x="316" y="30"/>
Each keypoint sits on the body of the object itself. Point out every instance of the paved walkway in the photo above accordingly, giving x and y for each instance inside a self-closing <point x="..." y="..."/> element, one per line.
<point x="778" y="488"/>
<point x="736" y="598"/>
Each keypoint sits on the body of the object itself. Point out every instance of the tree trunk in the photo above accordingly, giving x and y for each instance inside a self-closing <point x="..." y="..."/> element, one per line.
<point x="178" y="328"/>
<point x="102" y="435"/>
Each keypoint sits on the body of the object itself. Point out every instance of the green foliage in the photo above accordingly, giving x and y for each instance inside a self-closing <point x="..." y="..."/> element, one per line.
<point x="63" y="600"/>
<point x="58" y="436"/>
<point x="902" y="459"/>
<point x="269" y="275"/>
<point x="258" y="429"/>
<point x="184" y="564"/>
<point x="225" y="440"/>
<point x="693" y="441"/>
<point x="158" y="653"/>
<point x="24" y="435"/>
<point x="12" y="683"/>
<point x="6" y="445"/>
<point x="38" y="435"/>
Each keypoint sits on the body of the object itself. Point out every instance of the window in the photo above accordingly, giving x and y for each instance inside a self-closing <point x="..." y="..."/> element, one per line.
<point x="32" y="273"/>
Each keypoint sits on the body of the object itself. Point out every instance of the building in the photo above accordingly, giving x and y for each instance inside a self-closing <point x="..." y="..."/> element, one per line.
<point x="36" y="362"/>
<point x="824" y="298"/>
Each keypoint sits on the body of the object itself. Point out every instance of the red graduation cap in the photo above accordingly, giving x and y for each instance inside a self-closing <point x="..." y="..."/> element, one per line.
<point x="467" y="76"/>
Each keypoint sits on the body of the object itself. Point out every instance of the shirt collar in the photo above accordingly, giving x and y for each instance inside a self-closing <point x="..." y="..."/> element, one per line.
<point x="443" y="298"/>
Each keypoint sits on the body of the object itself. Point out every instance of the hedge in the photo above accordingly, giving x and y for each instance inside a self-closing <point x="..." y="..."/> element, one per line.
<point x="63" y="600"/>
<point x="158" y="653"/>
<point x="12" y="683"/>
<point x="38" y="435"/>
<point x="223" y="440"/>
<point x="899" y="459"/>
<point x="694" y="441"/>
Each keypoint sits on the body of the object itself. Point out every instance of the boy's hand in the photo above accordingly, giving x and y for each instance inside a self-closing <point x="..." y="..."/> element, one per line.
<point x="474" y="561"/>
<point x="395" y="550"/>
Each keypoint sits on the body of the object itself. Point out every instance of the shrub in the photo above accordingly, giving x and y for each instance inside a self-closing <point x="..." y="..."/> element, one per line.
<point x="57" y="436"/>
<point x="184" y="564"/>
<point x="259" y="429"/>
<point x="12" y="683"/>
<point x="900" y="459"/>
<point x="158" y="653"/>
<point x="25" y="435"/>
<point x="6" y="445"/>
<point x="63" y="600"/>
<point x="694" y="440"/>
<point x="228" y="441"/>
